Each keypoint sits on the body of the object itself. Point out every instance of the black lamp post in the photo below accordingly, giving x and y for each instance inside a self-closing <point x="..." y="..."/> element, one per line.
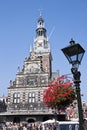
<point x="74" y="53"/>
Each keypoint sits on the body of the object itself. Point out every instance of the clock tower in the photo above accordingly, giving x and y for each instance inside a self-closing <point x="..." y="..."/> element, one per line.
<point x="41" y="43"/>
<point x="42" y="46"/>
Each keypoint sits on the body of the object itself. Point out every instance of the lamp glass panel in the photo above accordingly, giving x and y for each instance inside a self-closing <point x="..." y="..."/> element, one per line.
<point x="80" y="57"/>
<point x="73" y="58"/>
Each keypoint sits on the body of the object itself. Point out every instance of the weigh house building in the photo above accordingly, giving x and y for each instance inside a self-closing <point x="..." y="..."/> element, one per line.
<point x="25" y="94"/>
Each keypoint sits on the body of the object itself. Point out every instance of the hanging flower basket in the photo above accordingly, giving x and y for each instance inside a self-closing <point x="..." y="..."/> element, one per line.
<point x="59" y="93"/>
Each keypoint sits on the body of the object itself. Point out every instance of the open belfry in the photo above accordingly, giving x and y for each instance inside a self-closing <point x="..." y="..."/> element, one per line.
<point x="25" y="94"/>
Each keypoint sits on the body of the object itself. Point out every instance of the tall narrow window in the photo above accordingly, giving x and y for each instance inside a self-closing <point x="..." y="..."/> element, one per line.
<point x="16" y="98"/>
<point x="31" y="97"/>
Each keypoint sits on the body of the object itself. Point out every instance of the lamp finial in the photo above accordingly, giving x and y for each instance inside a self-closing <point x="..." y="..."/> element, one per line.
<point x="72" y="42"/>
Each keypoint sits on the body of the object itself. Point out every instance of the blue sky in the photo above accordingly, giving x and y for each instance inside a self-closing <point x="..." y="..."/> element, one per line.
<point x="18" y="21"/>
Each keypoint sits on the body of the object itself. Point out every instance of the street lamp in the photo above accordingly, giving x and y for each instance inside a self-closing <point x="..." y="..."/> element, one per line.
<point x="74" y="53"/>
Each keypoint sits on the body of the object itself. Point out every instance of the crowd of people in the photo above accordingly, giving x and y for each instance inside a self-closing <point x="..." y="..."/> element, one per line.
<point x="27" y="126"/>
<point x="36" y="126"/>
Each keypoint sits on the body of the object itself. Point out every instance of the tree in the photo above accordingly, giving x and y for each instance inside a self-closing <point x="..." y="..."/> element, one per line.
<point x="59" y="94"/>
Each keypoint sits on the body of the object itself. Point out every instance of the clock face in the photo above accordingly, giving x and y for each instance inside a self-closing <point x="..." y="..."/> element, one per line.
<point x="40" y="43"/>
<point x="32" y="68"/>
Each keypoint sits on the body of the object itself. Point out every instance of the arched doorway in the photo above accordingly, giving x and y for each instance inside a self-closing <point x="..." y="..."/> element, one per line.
<point x="16" y="119"/>
<point x="30" y="120"/>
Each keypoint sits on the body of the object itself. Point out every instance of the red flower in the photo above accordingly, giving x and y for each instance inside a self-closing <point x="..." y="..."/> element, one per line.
<point x="59" y="93"/>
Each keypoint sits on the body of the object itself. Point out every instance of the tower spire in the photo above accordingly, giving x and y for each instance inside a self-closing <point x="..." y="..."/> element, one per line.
<point x="41" y="43"/>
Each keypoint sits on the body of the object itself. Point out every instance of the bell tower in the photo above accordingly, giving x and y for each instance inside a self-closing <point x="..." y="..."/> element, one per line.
<point x="41" y="43"/>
